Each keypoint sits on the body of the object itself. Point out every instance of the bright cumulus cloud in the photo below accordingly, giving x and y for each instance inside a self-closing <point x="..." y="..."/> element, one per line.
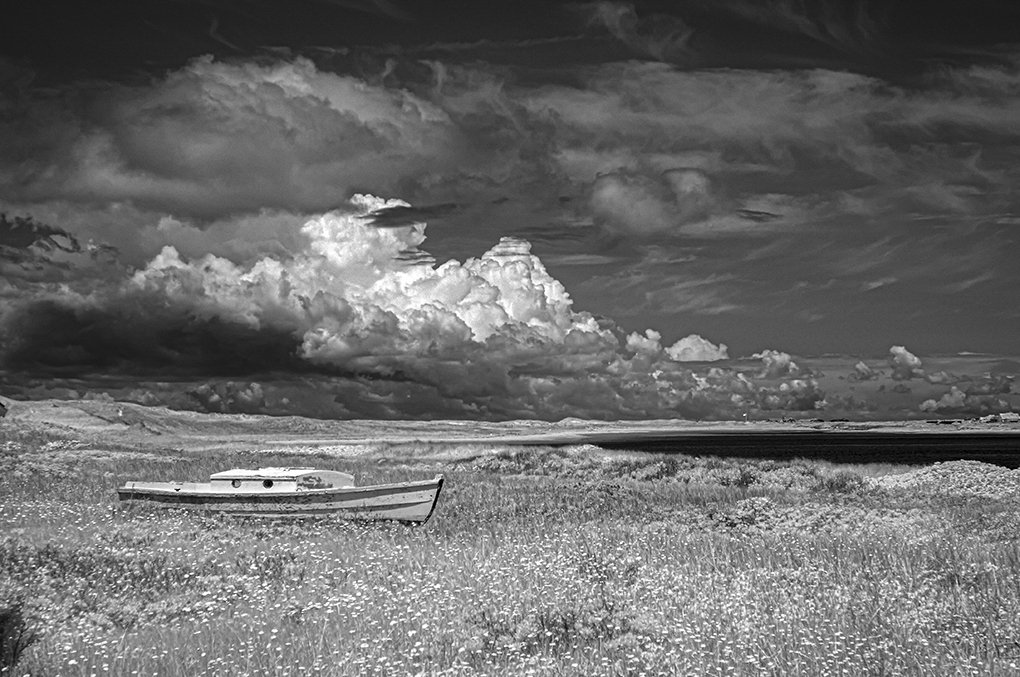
<point x="492" y="336"/>
<point x="905" y="365"/>
<point x="776" y="363"/>
<point x="973" y="402"/>
<point x="692" y="348"/>
<point x="355" y="301"/>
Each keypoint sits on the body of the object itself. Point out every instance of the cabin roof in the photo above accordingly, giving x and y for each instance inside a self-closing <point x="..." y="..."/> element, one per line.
<point x="262" y="473"/>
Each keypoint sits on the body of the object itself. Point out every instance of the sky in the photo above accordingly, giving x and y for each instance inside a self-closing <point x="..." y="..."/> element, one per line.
<point x="379" y="208"/>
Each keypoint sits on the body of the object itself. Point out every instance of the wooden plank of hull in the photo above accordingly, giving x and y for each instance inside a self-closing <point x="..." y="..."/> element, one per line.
<point x="408" y="501"/>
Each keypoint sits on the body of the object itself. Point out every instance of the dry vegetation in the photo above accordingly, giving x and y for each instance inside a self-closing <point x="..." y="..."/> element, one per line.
<point x="538" y="561"/>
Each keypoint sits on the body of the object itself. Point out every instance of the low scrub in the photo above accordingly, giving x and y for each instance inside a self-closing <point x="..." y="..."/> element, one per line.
<point x="538" y="561"/>
<point x="16" y="635"/>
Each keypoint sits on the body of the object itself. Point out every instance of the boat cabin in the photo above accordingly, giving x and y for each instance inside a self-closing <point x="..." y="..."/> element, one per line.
<point x="279" y="479"/>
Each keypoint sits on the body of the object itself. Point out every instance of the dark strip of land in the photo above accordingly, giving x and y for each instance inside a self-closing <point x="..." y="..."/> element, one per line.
<point x="840" y="447"/>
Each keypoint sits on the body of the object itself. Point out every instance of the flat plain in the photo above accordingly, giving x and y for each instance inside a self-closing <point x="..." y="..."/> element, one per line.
<point x="548" y="560"/>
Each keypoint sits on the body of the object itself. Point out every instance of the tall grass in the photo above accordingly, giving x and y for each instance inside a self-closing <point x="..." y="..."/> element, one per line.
<point x="537" y="561"/>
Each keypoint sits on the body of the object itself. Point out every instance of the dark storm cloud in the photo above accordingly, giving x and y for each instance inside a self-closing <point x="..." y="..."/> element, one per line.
<point x="34" y="252"/>
<point x="139" y="335"/>
<point x="20" y="232"/>
<point x="214" y="138"/>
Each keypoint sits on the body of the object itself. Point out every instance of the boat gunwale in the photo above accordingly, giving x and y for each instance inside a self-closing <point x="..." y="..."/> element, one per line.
<point x="168" y="490"/>
<point x="396" y="498"/>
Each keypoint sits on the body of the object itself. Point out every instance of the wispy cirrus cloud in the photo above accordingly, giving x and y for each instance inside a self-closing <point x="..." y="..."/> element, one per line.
<point x="854" y="27"/>
<point x="662" y="37"/>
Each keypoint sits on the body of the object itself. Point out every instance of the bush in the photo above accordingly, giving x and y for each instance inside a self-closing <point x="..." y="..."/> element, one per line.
<point x="15" y="636"/>
<point x="841" y="482"/>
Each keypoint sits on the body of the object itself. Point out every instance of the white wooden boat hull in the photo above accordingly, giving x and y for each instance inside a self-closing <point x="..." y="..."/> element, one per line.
<point x="403" y="501"/>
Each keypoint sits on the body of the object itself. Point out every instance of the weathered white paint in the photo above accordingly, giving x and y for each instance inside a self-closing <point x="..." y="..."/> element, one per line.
<point x="408" y="501"/>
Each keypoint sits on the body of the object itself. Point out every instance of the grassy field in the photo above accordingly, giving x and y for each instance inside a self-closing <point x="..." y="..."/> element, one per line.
<point x="538" y="561"/>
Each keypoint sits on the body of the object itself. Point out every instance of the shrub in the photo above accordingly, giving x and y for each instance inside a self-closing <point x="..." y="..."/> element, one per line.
<point x="840" y="482"/>
<point x="15" y="635"/>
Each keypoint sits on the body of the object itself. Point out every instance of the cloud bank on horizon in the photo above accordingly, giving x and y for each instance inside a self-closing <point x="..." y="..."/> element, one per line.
<point x="357" y="320"/>
<point x="201" y="221"/>
<point x="495" y="336"/>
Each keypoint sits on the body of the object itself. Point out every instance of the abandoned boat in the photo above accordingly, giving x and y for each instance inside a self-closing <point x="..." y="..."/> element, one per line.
<point x="291" y="492"/>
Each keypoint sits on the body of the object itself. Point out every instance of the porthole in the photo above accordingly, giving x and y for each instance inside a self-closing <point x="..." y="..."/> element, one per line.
<point x="268" y="484"/>
<point x="236" y="484"/>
